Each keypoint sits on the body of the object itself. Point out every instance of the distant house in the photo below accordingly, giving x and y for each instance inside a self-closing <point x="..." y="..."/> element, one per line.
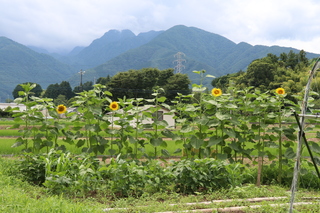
<point x="163" y="114"/>
<point x="4" y="106"/>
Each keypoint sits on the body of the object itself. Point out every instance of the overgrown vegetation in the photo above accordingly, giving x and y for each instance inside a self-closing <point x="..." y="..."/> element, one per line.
<point x="218" y="133"/>
<point x="287" y="70"/>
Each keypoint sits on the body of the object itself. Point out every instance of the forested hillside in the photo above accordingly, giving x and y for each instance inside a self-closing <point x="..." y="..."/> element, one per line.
<point x="19" y="64"/>
<point x="203" y="51"/>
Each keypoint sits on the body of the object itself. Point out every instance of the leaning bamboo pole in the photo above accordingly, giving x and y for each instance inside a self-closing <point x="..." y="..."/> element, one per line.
<point x="304" y="106"/>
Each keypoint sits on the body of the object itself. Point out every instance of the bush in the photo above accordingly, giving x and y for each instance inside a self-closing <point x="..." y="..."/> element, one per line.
<point x="208" y="174"/>
<point x="60" y="172"/>
<point x="6" y="113"/>
<point x="308" y="177"/>
<point x="32" y="168"/>
<point x="133" y="177"/>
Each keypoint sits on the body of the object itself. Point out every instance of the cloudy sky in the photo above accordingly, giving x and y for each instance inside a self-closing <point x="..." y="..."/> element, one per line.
<point x="63" y="24"/>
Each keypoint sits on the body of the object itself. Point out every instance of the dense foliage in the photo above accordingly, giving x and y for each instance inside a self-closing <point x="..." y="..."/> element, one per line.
<point x="287" y="70"/>
<point x="219" y="134"/>
<point x="19" y="90"/>
<point x="54" y="90"/>
<point x="141" y="83"/>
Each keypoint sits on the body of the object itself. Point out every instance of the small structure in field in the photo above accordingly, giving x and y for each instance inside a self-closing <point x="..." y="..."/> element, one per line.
<point x="162" y="113"/>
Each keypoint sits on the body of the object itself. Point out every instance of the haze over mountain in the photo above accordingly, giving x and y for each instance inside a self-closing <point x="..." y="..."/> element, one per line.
<point x="111" y="44"/>
<point x="123" y="50"/>
<point x="20" y="64"/>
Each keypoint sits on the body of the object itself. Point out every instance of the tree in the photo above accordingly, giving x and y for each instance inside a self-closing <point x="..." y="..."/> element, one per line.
<point x="103" y="80"/>
<point x="260" y="74"/>
<point x="61" y="99"/>
<point x="141" y="83"/>
<point x="85" y="87"/>
<point x="65" y="89"/>
<point x="36" y="91"/>
<point x="52" y="91"/>
<point x="292" y="60"/>
<point x="177" y="83"/>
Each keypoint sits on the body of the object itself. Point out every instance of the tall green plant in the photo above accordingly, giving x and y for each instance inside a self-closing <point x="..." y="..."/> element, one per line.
<point x="39" y="131"/>
<point x="152" y="112"/>
<point x="91" y="106"/>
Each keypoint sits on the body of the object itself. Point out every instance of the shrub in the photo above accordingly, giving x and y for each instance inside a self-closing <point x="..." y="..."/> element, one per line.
<point x="134" y="177"/>
<point x="75" y="174"/>
<point x="60" y="172"/>
<point x="32" y="168"/>
<point x="208" y="174"/>
<point x="307" y="177"/>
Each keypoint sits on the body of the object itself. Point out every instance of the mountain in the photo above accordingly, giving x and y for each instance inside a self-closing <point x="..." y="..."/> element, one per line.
<point x="20" y="64"/>
<point x="110" y="45"/>
<point x="123" y="50"/>
<point x="203" y="50"/>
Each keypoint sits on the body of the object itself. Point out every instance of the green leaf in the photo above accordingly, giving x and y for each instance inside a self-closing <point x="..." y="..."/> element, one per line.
<point x="167" y="133"/>
<point x="230" y="132"/>
<point x="195" y="71"/>
<point x="290" y="133"/>
<point x="290" y="154"/>
<point x="186" y="129"/>
<point x="214" y="141"/>
<point x="156" y="141"/>
<point x="196" y="142"/>
<point x="80" y="143"/>
<point x="177" y="151"/>
<point x="222" y="117"/>
<point x="315" y="147"/>
<point x="234" y="146"/>
<point x="165" y="152"/>
<point x="161" y="99"/>
<point x="210" y="76"/>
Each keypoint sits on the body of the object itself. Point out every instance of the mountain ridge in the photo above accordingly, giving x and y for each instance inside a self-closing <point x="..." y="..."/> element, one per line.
<point x="117" y="51"/>
<point x="204" y="50"/>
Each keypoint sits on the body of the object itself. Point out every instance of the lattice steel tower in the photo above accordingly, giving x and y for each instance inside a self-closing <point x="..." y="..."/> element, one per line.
<point x="179" y="66"/>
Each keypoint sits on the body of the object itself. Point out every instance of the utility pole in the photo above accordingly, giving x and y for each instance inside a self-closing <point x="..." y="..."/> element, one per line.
<point x="179" y="67"/>
<point x="81" y="73"/>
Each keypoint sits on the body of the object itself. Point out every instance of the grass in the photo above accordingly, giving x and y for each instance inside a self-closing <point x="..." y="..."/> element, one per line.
<point x="17" y="196"/>
<point x="6" y="148"/>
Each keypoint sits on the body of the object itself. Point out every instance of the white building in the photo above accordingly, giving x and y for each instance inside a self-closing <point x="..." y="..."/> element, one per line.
<point x="4" y="106"/>
<point x="163" y="114"/>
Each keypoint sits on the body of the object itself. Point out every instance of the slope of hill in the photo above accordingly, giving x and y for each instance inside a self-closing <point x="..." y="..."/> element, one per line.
<point x="122" y="50"/>
<point x="19" y="64"/>
<point x="203" y="50"/>
<point x="110" y="45"/>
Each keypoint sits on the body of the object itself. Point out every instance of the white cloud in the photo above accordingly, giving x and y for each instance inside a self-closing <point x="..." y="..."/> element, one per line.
<point x="57" y="24"/>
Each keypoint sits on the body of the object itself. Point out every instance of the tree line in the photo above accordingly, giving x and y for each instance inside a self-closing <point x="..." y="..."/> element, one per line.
<point x="289" y="70"/>
<point x="129" y="84"/>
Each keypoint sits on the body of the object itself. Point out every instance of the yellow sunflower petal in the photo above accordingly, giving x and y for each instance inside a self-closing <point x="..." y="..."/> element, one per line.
<point x="61" y="109"/>
<point x="280" y="91"/>
<point x="114" y="106"/>
<point x="216" y="92"/>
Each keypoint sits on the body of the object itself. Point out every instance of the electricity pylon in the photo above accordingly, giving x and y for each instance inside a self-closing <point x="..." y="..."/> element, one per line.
<point x="179" y="66"/>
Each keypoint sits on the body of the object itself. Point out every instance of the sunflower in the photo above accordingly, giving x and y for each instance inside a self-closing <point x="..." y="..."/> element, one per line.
<point x="61" y="109"/>
<point x="280" y="91"/>
<point x="216" y="92"/>
<point x="114" y="106"/>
